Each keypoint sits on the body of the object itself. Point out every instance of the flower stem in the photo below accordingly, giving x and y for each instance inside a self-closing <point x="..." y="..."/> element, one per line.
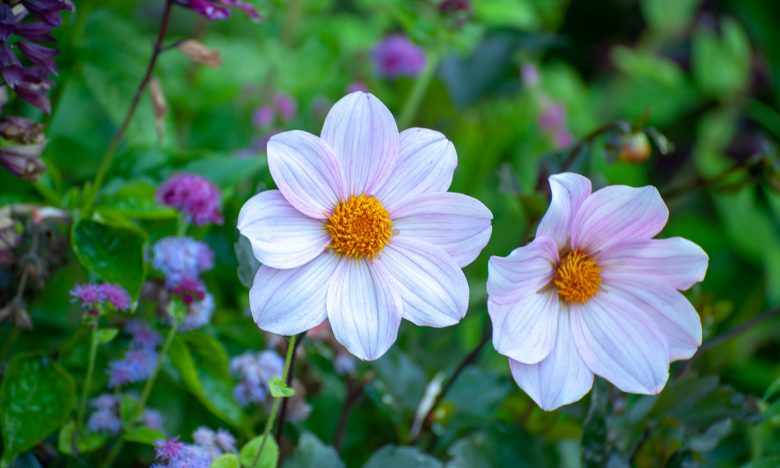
<point x="270" y="422"/>
<point x="147" y="391"/>
<point x="93" y="345"/>
<point x="418" y="91"/>
<point x="108" y="157"/>
<point x="288" y="381"/>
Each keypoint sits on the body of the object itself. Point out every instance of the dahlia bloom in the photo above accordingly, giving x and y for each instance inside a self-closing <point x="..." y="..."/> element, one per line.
<point x="594" y="293"/>
<point x="361" y="230"/>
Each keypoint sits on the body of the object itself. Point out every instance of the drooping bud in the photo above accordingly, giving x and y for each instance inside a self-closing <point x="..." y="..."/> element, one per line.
<point x="635" y="148"/>
<point x="199" y="53"/>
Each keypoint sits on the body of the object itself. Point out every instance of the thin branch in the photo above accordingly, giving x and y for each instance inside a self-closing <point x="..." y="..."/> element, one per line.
<point x="354" y="392"/>
<point x="283" y="409"/>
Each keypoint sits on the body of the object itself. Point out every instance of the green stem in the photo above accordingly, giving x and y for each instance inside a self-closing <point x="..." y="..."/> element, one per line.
<point x="269" y="424"/>
<point x="147" y="391"/>
<point x="93" y="345"/>
<point x="418" y="91"/>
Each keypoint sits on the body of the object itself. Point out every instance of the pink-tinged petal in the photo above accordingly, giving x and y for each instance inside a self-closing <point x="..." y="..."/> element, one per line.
<point x="457" y="223"/>
<point x="288" y="302"/>
<point x="620" y="343"/>
<point x="561" y="378"/>
<point x="364" y="136"/>
<point x="433" y="287"/>
<point x="525" y="331"/>
<point x="306" y="171"/>
<point x="676" y="262"/>
<point x="364" y="308"/>
<point x="524" y="272"/>
<point x="569" y="191"/>
<point x="618" y="214"/>
<point x="669" y="310"/>
<point x="426" y="162"/>
<point x="281" y="236"/>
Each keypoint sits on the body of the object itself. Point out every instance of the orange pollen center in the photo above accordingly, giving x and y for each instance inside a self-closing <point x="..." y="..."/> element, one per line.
<point x="577" y="277"/>
<point x="359" y="227"/>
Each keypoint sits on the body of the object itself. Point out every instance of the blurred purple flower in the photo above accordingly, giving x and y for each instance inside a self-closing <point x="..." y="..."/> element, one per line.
<point x="263" y="116"/>
<point x="23" y="161"/>
<point x="181" y="257"/>
<point x="190" y="290"/>
<point x="143" y="335"/>
<point x="398" y="56"/>
<point x="552" y="117"/>
<point x="218" y="10"/>
<point x="104" y="421"/>
<point x="529" y="74"/>
<point x="152" y="419"/>
<point x="321" y="106"/>
<point x="199" y="314"/>
<point x="286" y="106"/>
<point x="89" y="295"/>
<point x="116" y="296"/>
<point x="48" y="11"/>
<point x="353" y="87"/>
<point x="136" y="366"/>
<point x="193" y="195"/>
<point x="253" y="371"/>
<point x="180" y="455"/>
<point x="169" y="449"/>
<point x="225" y="441"/>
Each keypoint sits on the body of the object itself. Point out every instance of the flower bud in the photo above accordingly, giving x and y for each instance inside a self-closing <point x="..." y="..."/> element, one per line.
<point x="199" y="53"/>
<point x="635" y="148"/>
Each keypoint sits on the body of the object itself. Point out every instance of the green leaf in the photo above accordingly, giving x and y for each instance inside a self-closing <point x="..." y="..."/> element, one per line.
<point x="391" y="456"/>
<point x="86" y="442"/>
<point x="721" y="65"/>
<point x="128" y="410"/>
<point x="399" y="386"/>
<point x="310" y="451"/>
<point x="268" y="458"/>
<point x="227" y="170"/>
<point x="227" y="460"/>
<point x="106" y="335"/>
<point x="35" y="400"/>
<point x="247" y="263"/>
<point x="112" y="253"/>
<point x="669" y="16"/>
<point x="143" y="435"/>
<point x="279" y="388"/>
<point x="773" y="390"/>
<point x="203" y="366"/>
<point x="135" y="200"/>
<point x="496" y="447"/>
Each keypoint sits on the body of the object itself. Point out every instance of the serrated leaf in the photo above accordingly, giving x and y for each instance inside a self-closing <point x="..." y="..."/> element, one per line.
<point x="279" y="388"/>
<point x="267" y="459"/>
<point x="35" y="400"/>
<point x="86" y="442"/>
<point x="114" y="254"/>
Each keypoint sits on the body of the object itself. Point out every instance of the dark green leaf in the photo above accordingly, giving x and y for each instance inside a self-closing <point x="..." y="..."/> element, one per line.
<point x="268" y="458"/>
<point x="135" y="200"/>
<point x="310" y="451"/>
<point x="143" y="435"/>
<point x="227" y="170"/>
<point x="114" y="254"/>
<point x="35" y="400"/>
<point x="391" y="456"/>
<point x="499" y="446"/>
<point x="86" y="442"/>
<point x="247" y="263"/>
<point x="128" y="410"/>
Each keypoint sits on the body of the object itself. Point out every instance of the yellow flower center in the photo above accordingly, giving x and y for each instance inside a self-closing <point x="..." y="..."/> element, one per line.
<point x="577" y="277"/>
<point x="359" y="227"/>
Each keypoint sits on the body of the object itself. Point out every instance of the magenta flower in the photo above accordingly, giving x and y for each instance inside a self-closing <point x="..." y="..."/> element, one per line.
<point x="116" y="296"/>
<point x="89" y="295"/>
<point x="286" y="106"/>
<point x="594" y="293"/>
<point x="193" y="195"/>
<point x="396" y="56"/>
<point x="362" y="230"/>
<point x="190" y="290"/>
<point x="218" y="10"/>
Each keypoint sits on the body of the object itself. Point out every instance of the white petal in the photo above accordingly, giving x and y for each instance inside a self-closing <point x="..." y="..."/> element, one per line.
<point x="671" y="312"/>
<point x="561" y="378"/>
<point x="426" y="162"/>
<point x="569" y="191"/>
<point x="620" y="343"/>
<point x="457" y="223"/>
<point x="617" y="214"/>
<point x="281" y="236"/>
<point x="525" y="331"/>
<point x="364" y="136"/>
<point x="306" y="171"/>
<point x="364" y="308"/>
<point x="288" y="302"/>
<point x="524" y="272"/>
<point x="432" y="285"/>
<point x="676" y="262"/>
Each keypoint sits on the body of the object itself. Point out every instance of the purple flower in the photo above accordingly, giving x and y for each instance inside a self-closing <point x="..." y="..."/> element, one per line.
<point x="204" y="436"/>
<point x="263" y="116"/>
<point x="530" y="74"/>
<point x="152" y="418"/>
<point x="143" y="335"/>
<point x="48" y="11"/>
<point x="198" y="314"/>
<point x="169" y="449"/>
<point x="106" y="421"/>
<point x="193" y="195"/>
<point x="136" y="366"/>
<point x="354" y="87"/>
<point x="218" y="10"/>
<point x="253" y="371"/>
<point x="286" y="106"/>
<point x="23" y="161"/>
<point x="180" y="455"/>
<point x="552" y="117"/>
<point x="116" y="296"/>
<point x="181" y="257"/>
<point x="398" y="56"/>
<point x="89" y="295"/>
<point x="21" y="130"/>
<point x="190" y="290"/>
<point x="225" y="441"/>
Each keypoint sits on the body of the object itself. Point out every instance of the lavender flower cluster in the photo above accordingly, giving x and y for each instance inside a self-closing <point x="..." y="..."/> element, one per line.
<point x="106" y="419"/>
<point x="31" y="21"/>
<point x="92" y="296"/>
<point x="397" y="56"/>
<point x="194" y="196"/>
<point x="207" y="446"/>
<point x="254" y="370"/>
<point x="140" y="360"/>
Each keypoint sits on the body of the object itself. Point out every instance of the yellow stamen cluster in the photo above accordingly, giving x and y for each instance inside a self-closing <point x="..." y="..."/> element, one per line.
<point x="359" y="227"/>
<point x="577" y="277"/>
